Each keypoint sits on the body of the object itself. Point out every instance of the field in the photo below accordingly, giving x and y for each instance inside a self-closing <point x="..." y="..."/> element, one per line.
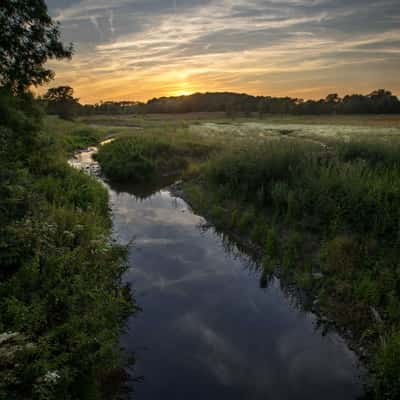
<point x="389" y="120"/>
<point x="218" y="124"/>
<point x="316" y="199"/>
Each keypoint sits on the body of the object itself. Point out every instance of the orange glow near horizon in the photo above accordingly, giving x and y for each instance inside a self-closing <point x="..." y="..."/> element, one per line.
<point x="183" y="89"/>
<point x="144" y="89"/>
<point x="182" y="92"/>
<point x="129" y="50"/>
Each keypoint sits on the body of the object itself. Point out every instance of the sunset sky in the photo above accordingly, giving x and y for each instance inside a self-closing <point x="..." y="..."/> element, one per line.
<point x="139" y="49"/>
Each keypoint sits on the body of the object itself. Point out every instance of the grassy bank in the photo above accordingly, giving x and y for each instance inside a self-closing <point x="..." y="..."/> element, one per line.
<point x="320" y="205"/>
<point x="327" y="220"/>
<point x="62" y="303"/>
<point x="146" y="157"/>
<point x="69" y="136"/>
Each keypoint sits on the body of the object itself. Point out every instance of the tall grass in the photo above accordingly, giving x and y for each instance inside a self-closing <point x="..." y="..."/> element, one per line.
<point x="70" y="135"/>
<point x="62" y="301"/>
<point x="323" y="208"/>
<point x="139" y="159"/>
<point x="358" y="190"/>
<point x="348" y="197"/>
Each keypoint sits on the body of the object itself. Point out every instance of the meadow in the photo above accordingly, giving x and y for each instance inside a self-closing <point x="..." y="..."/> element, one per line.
<point x="318" y="203"/>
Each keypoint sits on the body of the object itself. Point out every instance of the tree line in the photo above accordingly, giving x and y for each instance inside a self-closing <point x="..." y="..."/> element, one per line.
<point x="60" y="101"/>
<point x="377" y="102"/>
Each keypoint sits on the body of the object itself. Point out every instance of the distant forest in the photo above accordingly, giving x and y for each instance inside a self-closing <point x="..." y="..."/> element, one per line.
<point x="61" y="101"/>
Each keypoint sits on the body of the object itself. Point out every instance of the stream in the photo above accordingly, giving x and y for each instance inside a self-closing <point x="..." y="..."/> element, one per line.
<point x="208" y="329"/>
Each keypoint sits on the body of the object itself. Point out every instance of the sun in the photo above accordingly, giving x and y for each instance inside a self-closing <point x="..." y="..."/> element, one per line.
<point x="182" y="92"/>
<point x="183" y="89"/>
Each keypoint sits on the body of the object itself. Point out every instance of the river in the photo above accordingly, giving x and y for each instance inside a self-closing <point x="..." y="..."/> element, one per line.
<point x="208" y="329"/>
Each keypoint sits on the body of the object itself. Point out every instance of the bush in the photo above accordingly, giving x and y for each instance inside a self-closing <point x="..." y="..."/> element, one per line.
<point x="373" y="153"/>
<point x="342" y="255"/>
<point x="271" y="243"/>
<point x="139" y="159"/>
<point x="62" y="302"/>
<point x="387" y="368"/>
<point x="349" y="194"/>
<point x="299" y="181"/>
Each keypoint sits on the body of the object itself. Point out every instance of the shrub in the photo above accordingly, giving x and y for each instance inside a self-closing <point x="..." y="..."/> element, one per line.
<point x="139" y="159"/>
<point x="349" y="194"/>
<point x="387" y="368"/>
<point x="373" y="153"/>
<point x="342" y="255"/>
<point x="271" y="243"/>
<point x="246" y="220"/>
<point x="259" y="230"/>
<point x="62" y="302"/>
<point x="291" y="250"/>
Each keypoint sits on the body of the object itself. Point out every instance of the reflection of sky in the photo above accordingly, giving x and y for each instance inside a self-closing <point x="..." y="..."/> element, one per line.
<point x="139" y="49"/>
<point x="207" y="331"/>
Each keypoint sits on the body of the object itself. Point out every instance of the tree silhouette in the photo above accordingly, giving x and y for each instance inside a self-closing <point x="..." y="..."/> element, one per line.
<point x="236" y="104"/>
<point x="60" y="93"/>
<point x="60" y="101"/>
<point x="28" y="39"/>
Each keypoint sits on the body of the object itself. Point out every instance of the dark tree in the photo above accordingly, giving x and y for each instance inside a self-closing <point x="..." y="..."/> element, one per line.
<point x="60" y="93"/>
<point x="28" y="39"/>
<point x="236" y="104"/>
<point x="60" y="101"/>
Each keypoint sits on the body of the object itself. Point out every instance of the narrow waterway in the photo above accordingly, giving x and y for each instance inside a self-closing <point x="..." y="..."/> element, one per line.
<point x="208" y="329"/>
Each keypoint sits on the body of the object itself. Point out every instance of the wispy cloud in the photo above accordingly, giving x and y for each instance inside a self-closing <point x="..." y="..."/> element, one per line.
<point x="144" y="48"/>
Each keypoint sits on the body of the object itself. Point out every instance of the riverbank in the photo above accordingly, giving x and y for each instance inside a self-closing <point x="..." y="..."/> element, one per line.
<point x="209" y="329"/>
<point x="324" y="217"/>
<point x="62" y="301"/>
<point x="333" y="271"/>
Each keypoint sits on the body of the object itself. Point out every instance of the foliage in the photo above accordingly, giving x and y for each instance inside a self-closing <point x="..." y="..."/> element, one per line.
<point x="235" y="104"/>
<point x="110" y="108"/>
<point x="320" y="205"/>
<point x="387" y="368"/>
<point x="300" y="180"/>
<point x="333" y="226"/>
<point x="140" y="158"/>
<point x="62" y="302"/>
<point x="379" y="101"/>
<point x="271" y="243"/>
<point x="68" y="136"/>
<point x="242" y="105"/>
<point x="60" y="101"/>
<point x="28" y="38"/>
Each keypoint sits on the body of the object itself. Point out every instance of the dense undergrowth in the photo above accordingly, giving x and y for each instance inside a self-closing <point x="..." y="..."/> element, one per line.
<point x="71" y="135"/>
<point x="328" y="220"/>
<point x="324" y="214"/>
<point x="62" y="302"/>
<point x="141" y="158"/>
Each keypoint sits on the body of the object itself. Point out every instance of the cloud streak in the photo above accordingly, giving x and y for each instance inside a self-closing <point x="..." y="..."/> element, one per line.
<point x="138" y="49"/>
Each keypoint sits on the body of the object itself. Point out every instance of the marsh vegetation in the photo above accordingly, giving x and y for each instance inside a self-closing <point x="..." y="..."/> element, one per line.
<point x="311" y="196"/>
<point x="62" y="302"/>
<point x="318" y="203"/>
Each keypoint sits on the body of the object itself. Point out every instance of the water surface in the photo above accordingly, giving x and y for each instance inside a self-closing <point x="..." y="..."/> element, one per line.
<point x="208" y="329"/>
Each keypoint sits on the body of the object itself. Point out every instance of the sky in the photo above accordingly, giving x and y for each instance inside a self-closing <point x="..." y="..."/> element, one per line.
<point x="140" y="49"/>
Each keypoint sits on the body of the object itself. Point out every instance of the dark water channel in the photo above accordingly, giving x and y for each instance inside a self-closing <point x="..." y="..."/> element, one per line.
<point x="207" y="329"/>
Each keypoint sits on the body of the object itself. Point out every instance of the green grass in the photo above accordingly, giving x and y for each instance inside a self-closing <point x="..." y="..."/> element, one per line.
<point x="390" y="120"/>
<point x="70" y="135"/>
<point x="335" y="212"/>
<point x="62" y="302"/>
<point x="143" y="158"/>
<point x="318" y="197"/>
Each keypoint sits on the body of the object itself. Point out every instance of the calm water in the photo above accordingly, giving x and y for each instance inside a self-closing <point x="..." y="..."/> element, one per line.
<point x="207" y="329"/>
